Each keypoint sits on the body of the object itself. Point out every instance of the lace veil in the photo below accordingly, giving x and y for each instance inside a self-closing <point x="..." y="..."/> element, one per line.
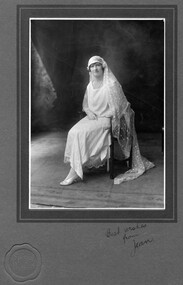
<point x="123" y="127"/>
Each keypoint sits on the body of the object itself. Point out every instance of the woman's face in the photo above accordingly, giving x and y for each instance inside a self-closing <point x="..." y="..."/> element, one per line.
<point x="96" y="69"/>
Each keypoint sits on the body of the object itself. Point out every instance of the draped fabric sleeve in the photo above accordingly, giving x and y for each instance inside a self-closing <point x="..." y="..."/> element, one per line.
<point x="109" y="113"/>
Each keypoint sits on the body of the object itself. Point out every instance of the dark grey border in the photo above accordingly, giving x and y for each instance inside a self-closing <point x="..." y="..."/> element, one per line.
<point x="24" y="12"/>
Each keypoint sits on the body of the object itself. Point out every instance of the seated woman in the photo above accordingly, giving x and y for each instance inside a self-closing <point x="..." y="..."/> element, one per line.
<point x="88" y="141"/>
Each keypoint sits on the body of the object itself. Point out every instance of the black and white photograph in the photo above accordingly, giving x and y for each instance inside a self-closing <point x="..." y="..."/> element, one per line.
<point x="97" y="113"/>
<point x="91" y="142"/>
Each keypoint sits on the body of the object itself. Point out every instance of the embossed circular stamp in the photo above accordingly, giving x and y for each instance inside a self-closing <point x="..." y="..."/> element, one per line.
<point x="23" y="262"/>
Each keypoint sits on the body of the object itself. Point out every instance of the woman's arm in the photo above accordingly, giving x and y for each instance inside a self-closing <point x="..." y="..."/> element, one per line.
<point x="89" y="113"/>
<point x="109" y="113"/>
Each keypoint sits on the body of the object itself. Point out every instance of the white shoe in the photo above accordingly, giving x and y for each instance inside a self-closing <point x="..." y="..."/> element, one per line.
<point x="69" y="181"/>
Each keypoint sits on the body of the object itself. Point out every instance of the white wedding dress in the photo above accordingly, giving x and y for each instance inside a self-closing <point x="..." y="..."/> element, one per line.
<point x="88" y="141"/>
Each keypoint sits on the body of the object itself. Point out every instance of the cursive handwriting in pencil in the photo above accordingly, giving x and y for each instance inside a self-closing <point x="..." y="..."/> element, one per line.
<point x="139" y="244"/>
<point x="110" y="233"/>
<point x="135" y="227"/>
<point x="128" y="237"/>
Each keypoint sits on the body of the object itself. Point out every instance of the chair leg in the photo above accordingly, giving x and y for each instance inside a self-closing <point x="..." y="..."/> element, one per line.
<point x="108" y="164"/>
<point x="111" y="169"/>
<point x="111" y="160"/>
<point x="130" y="160"/>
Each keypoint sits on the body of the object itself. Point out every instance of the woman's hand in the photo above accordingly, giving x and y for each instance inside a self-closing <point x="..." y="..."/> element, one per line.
<point x="91" y="115"/>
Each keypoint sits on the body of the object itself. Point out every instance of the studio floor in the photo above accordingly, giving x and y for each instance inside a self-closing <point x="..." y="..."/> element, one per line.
<point x="97" y="190"/>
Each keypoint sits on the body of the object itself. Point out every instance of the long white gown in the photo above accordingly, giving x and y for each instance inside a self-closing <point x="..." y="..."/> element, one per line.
<point x="88" y="141"/>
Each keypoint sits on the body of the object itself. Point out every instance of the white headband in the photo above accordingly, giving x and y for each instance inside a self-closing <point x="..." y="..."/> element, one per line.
<point x="95" y="59"/>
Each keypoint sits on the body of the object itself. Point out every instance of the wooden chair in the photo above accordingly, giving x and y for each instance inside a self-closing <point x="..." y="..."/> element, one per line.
<point x="111" y="160"/>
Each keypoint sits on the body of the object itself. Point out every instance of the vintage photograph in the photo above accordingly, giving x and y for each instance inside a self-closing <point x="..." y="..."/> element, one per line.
<point x="97" y="113"/>
<point x="91" y="137"/>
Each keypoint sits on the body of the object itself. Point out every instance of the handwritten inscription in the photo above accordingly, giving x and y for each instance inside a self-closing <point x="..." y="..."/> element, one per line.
<point x="111" y="233"/>
<point x="136" y="227"/>
<point x="137" y="245"/>
<point x="128" y="237"/>
<point x="131" y="235"/>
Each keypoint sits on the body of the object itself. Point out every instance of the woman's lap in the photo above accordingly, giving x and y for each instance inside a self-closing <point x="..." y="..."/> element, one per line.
<point x="88" y="125"/>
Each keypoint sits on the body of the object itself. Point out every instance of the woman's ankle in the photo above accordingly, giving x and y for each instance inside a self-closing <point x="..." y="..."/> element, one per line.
<point x="72" y="173"/>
